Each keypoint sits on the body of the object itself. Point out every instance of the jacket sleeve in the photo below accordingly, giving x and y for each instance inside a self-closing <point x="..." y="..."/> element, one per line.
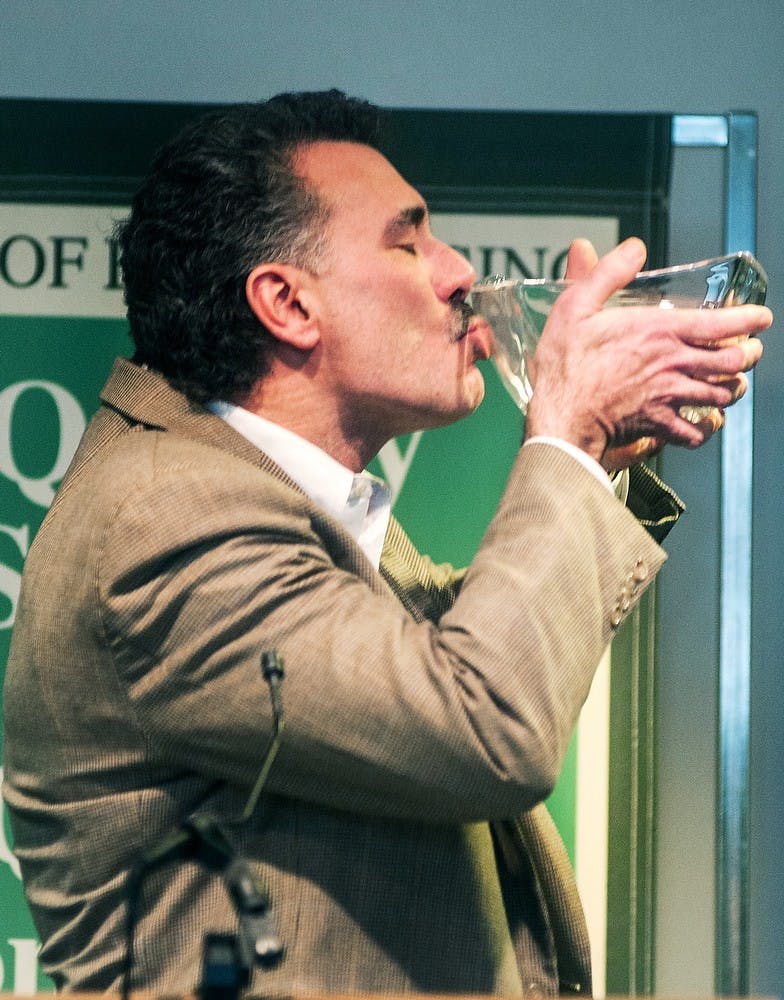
<point x="469" y="716"/>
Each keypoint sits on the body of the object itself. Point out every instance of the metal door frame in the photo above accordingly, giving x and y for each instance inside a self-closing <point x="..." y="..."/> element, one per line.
<point x="736" y="133"/>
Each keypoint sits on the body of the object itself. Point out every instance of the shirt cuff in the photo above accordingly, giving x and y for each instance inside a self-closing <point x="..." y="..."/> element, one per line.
<point x="617" y="485"/>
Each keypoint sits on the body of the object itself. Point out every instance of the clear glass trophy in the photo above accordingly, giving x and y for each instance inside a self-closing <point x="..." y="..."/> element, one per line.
<point x="517" y="310"/>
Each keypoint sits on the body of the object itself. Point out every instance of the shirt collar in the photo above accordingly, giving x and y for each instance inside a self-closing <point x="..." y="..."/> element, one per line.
<point x="360" y="501"/>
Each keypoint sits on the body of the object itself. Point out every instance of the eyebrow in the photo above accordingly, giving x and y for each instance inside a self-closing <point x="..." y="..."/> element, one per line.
<point x="407" y="218"/>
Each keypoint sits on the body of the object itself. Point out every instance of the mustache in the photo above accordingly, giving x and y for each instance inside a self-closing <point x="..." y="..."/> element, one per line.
<point x="462" y="316"/>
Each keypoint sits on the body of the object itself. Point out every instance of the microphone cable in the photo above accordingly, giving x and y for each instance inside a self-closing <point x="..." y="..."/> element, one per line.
<point x="272" y="669"/>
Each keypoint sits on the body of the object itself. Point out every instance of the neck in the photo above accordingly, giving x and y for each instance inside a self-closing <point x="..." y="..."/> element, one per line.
<point x="296" y="409"/>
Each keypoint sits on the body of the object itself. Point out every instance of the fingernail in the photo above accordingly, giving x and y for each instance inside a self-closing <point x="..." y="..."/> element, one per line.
<point x="633" y="248"/>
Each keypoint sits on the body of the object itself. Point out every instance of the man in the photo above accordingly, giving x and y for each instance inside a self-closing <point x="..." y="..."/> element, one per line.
<point x="292" y="312"/>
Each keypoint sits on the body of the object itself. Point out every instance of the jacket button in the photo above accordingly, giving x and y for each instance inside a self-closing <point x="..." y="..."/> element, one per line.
<point x="640" y="570"/>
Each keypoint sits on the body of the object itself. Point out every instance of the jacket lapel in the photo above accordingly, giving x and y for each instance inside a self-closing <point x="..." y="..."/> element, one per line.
<point x="425" y="590"/>
<point x="532" y="840"/>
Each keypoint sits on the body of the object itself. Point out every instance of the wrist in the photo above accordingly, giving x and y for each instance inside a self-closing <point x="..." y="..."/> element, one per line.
<point x="551" y="421"/>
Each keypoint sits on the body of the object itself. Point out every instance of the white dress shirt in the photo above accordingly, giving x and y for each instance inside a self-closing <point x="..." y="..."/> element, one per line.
<point x="360" y="501"/>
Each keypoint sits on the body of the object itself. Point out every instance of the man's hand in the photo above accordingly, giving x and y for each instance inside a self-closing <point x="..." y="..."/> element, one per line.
<point x="612" y="381"/>
<point x="581" y="260"/>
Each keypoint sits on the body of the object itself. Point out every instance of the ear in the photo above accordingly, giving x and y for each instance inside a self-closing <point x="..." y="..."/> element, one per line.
<point x="279" y="297"/>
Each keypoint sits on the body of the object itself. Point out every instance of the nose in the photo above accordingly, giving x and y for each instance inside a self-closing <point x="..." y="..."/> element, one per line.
<point x="453" y="274"/>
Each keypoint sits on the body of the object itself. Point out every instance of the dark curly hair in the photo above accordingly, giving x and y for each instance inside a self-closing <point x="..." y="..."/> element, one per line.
<point x="220" y="198"/>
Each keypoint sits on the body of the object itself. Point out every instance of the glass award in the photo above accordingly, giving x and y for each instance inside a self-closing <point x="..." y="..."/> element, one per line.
<point x="518" y="310"/>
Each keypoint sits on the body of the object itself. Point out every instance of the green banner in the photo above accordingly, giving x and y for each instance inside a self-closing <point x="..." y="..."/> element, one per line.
<point x="52" y="370"/>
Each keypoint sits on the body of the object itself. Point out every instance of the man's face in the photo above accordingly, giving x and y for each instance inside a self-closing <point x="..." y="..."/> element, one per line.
<point x="396" y="353"/>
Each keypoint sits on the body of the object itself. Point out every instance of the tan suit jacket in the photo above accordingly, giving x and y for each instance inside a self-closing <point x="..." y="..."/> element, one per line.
<point x="420" y="704"/>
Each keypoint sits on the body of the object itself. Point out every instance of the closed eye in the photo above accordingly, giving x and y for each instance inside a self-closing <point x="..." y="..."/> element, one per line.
<point x="407" y="223"/>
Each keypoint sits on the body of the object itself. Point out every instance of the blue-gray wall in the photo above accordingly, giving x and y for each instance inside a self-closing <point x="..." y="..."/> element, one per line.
<point x="688" y="57"/>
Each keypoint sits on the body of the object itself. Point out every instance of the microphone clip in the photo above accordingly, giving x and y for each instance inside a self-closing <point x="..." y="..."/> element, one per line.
<point x="258" y="942"/>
